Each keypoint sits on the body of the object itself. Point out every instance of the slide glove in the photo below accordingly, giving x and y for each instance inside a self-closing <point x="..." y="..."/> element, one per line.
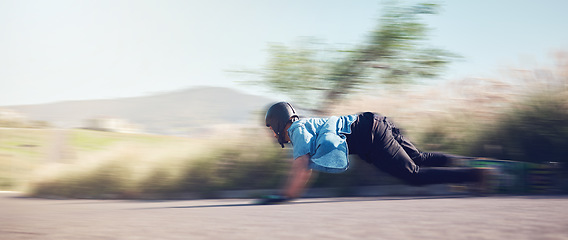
<point x="272" y="199"/>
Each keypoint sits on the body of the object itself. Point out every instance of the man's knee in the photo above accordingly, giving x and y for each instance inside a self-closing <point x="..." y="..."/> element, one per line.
<point x="431" y="159"/>
<point x="409" y="174"/>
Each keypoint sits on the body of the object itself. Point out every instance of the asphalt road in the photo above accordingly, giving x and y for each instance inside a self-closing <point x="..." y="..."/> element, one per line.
<point x="498" y="217"/>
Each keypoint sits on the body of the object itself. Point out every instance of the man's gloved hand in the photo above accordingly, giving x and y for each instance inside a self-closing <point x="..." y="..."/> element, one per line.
<point x="272" y="199"/>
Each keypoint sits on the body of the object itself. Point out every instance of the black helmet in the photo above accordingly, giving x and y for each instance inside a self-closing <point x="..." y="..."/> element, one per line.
<point x="277" y="116"/>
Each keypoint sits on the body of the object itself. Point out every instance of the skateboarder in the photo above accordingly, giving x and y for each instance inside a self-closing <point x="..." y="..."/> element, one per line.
<point x="323" y="144"/>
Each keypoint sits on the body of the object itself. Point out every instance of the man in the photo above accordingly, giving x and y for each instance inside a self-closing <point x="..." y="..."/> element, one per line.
<point x="323" y="144"/>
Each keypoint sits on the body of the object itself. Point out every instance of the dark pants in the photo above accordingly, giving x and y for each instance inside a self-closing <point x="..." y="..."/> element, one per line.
<point x="377" y="140"/>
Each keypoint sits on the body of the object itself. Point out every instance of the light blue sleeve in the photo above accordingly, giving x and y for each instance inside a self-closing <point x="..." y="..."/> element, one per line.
<point x="301" y="140"/>
<point x="324" y="141"/>
<point x="331" y="155"/>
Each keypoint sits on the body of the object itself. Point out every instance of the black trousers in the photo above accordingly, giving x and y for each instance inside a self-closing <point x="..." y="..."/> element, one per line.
<point x="379" y="142"/>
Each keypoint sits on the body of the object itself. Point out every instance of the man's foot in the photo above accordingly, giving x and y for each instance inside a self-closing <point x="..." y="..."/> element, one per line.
<point x="461" y="161"/>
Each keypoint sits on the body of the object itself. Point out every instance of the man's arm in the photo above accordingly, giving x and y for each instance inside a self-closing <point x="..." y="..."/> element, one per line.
<point x="298" y="177"/>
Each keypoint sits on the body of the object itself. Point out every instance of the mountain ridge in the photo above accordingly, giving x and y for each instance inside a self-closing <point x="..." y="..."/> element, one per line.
<point x="174" y="112"/>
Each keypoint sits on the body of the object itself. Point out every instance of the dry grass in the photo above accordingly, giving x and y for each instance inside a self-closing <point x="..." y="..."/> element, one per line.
<point x="165" y="168"/>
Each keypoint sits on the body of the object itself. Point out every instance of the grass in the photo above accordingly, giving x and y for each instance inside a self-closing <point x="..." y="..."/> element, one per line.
<point x="25" y="152"/>
<point x="111" y="165"/>
<point x="21" y="151"/>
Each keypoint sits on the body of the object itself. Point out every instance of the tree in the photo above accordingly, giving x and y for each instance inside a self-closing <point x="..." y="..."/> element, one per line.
<point x="392" y="54"/>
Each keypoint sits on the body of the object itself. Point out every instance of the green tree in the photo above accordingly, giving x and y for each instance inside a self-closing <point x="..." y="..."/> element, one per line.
<point x="394" y="53"/>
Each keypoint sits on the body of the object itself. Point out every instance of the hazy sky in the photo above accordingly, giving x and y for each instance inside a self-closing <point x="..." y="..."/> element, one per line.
<point x="60" y="50"/>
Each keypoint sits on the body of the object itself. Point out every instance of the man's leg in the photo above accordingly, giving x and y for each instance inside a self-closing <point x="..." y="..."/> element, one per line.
<point x="401" y="166"/>
<point x="390" y="156"/>
<point x="423" y="159"/>
<point x="426" y="159"/>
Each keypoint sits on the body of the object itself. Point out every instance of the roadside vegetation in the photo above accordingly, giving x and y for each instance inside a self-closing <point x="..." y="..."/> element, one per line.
<point x="114" y="165"/>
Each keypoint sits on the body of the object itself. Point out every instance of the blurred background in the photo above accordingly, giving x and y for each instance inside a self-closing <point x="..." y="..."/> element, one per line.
<point x="160" y="99"/>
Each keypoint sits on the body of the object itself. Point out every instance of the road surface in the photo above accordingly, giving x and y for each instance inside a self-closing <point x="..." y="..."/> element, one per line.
<point x="497" y="217"/>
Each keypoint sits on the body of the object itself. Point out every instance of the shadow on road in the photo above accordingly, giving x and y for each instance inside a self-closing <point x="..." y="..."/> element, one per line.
<point x="358" y="199"/>
<point x="311" y="201"/>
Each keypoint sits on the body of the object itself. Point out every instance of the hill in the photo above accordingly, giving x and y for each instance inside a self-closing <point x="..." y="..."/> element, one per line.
<point x="190" y="111"/>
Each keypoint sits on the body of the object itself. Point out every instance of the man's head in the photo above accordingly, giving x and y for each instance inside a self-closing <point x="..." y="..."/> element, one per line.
<point x="277" y="118"/>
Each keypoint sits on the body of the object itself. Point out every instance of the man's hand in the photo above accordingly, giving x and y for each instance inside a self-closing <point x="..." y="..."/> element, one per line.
<point x="272" y="199"/>
<point x="298" y="177"/>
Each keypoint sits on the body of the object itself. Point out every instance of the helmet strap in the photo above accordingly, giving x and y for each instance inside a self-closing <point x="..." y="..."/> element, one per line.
<point x="282" y="132"/>
<point x="281" y="139"/>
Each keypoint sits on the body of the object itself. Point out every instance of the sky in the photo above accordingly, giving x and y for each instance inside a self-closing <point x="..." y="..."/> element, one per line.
<point x="62" y="50"/>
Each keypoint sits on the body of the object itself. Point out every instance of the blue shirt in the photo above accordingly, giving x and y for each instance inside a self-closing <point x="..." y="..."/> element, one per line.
<point x="324" y="140"/>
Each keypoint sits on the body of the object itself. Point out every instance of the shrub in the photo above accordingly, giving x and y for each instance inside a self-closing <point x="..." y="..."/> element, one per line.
<point x="160" y="171"/>
<point x="534" y="131"/>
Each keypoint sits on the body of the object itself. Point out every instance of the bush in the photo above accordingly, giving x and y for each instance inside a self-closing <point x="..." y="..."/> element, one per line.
<point x="232" y="168"/>
<point x="167" y="171"/>
<point x="535" y="131"/>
